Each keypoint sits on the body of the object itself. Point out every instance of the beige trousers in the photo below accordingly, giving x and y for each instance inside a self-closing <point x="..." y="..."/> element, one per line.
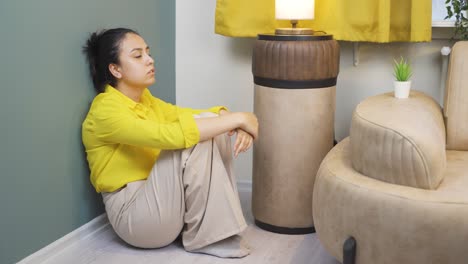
<point x="192" y="191"/>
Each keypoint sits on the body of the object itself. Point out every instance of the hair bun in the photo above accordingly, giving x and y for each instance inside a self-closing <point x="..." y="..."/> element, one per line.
<point x="91" y="51"/>
<point x="92" y="45"/>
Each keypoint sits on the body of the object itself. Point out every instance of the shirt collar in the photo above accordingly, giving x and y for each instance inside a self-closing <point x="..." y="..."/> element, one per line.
<point x="145" y="97"/>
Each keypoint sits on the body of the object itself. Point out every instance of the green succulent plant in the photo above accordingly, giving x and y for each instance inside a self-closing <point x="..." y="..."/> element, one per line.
<point x="402" y="70"/>
<point x="457" y="9"/>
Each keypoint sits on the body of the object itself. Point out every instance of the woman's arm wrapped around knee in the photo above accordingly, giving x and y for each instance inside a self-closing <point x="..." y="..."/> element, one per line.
<point x="227" y="121"/>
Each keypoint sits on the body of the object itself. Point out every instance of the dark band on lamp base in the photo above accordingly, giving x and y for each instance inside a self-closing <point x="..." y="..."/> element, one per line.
<point x="317" y="37"/>
<point x="285" y="230"/>
<point x="288" y="84"/>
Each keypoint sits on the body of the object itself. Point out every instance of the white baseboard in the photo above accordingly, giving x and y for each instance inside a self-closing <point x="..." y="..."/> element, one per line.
<point x="244" y="186"/>
<point x="92" y="228"/>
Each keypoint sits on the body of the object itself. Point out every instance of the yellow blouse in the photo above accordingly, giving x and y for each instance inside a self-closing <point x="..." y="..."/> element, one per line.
<point x="123" y="138"/>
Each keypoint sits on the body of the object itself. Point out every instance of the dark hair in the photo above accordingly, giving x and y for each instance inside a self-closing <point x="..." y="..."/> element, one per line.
<point x="101" y="49"/>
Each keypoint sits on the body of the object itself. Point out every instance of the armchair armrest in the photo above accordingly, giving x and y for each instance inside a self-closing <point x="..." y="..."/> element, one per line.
<point x="400" y="141"/>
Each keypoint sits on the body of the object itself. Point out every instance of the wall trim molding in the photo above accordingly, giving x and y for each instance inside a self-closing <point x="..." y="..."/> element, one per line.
<point x="443" y="23"/>
<point x="244" y="186"/>
<point x="91" y="229"/>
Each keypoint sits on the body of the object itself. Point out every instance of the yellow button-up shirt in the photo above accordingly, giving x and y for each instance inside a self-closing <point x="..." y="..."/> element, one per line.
<point x="123" y="138"/>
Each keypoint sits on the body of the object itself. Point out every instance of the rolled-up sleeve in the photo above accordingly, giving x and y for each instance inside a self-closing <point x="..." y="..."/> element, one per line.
<point x="113" y="124"/>
<point x="172" y="112"/>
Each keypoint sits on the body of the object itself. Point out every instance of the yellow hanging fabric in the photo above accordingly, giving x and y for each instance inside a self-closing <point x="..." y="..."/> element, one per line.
<point x="352" y="20"/>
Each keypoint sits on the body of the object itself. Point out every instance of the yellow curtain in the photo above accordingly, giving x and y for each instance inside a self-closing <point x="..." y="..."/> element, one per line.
<point x="352" y="20"/>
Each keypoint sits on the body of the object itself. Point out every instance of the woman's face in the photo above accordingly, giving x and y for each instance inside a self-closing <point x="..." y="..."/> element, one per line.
<point x="136" y="66"/>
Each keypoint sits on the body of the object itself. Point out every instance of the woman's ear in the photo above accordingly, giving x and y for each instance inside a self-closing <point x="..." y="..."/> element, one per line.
<point x="115" y="70"/>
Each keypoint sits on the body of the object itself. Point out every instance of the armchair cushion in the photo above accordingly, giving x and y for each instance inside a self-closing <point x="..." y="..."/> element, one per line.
<point x="399" y="141"/>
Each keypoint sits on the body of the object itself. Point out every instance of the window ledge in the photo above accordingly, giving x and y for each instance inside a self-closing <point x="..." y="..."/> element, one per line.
<point x="443" y="23"/>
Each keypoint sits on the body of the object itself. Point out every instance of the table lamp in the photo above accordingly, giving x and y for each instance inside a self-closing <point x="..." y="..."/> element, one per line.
<point x="294" y="10"/>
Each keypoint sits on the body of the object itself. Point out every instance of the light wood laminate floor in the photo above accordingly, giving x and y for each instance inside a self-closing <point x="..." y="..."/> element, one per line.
<point x="266" y="247"/>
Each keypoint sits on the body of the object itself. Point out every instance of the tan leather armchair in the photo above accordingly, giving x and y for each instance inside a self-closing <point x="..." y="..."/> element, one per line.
<point x="396" y="190"/>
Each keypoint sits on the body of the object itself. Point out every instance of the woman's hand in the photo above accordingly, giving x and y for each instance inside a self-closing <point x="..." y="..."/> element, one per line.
<point x="243" y="141"/>
<point x="249" y="123"/>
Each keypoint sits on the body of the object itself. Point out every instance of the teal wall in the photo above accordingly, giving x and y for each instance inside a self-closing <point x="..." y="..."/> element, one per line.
<point x="45" y="93"/>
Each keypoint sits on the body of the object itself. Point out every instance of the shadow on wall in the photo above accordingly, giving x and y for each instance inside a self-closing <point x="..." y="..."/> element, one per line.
<point x="241" y="48"/>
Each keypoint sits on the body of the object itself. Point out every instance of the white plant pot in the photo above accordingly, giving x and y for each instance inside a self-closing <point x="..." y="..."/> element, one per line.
<point x="402" y="89"/>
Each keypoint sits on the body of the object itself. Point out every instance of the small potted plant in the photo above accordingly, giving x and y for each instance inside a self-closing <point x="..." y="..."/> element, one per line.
<point x="402" y="72"/>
